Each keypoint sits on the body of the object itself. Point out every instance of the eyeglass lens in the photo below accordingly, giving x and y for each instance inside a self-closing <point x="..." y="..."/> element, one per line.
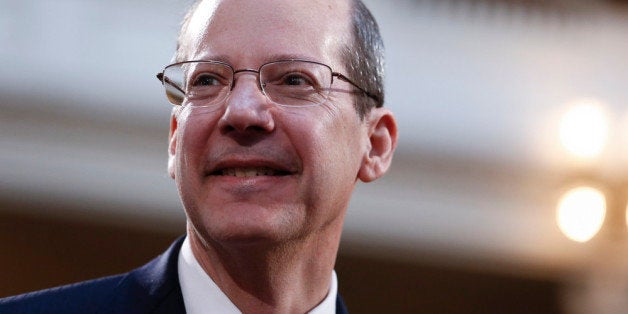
<point x="287" y="83"/>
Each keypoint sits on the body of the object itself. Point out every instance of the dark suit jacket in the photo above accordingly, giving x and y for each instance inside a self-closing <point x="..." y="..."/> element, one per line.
<point x="152" y="288"/>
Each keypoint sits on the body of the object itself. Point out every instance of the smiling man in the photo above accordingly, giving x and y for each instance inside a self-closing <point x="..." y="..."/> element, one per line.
<point x="277" y="116"/>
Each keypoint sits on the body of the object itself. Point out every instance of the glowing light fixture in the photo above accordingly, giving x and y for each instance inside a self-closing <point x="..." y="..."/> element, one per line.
<point x="584" y="129"/>
<point x="581" y="213"/>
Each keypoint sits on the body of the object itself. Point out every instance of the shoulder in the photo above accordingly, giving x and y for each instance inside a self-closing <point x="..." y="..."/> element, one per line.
<point x="84" y="297"/>
<point x="153" y="287"/>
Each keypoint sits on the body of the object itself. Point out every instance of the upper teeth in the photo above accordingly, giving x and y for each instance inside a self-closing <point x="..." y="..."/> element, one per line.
<point x="248" y="172"/>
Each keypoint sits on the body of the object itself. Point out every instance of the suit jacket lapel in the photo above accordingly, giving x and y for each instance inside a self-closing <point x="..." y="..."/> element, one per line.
<point x="340" y="305"/>
<point x="152" y="288"/>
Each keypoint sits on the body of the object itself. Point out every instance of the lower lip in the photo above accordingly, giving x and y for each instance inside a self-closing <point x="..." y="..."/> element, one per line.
<point x="249" y="184"/>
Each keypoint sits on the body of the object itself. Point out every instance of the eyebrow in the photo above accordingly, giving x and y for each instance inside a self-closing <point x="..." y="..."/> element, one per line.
<point x="270" y="58"/>
<point x="221" y="58"/>
<point x="289" y="56"/>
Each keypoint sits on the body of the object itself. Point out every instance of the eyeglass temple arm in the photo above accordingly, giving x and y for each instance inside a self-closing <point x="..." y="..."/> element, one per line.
<point x="346" y="79"/>
<point x="165" y="80"/>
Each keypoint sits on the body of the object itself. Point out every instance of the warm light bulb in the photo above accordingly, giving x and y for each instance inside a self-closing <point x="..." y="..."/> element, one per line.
<point x="580" y="213"/>
<point x="584" y="129"/>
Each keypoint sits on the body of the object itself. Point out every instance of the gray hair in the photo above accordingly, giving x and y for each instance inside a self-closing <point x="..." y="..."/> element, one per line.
<point x="364" y="58"/>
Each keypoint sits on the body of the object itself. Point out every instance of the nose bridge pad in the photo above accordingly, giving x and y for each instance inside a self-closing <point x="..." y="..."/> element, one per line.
<point x="250" y="72"/>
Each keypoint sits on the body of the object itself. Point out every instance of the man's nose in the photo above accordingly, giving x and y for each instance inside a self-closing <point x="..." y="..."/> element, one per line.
<point x="247" y="108"/>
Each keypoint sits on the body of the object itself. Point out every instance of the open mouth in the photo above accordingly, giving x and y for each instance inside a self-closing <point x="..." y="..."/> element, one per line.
<point x="249" y="172"/>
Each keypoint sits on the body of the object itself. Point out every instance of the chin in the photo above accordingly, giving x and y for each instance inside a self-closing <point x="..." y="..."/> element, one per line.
<point x="246" y="223"/>
<point x="248" y="232"/>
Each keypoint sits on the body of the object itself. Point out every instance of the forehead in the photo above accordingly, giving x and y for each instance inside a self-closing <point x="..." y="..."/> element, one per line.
<point x="250" y="32"/>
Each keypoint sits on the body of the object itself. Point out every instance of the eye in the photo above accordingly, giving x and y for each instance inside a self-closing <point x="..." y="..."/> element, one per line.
<point x="207" y="79"/>
<point x="295" y="79"/>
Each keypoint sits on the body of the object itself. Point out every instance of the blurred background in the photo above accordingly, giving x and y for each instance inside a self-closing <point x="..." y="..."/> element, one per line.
<point x="507" y="194"/>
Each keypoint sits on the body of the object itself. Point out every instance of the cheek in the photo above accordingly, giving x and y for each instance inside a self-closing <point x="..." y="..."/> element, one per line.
<point x="332" y="172"/>
<point x="331" y="145"/>
<point x="344" y="133"/>
<point x="193" y="133"/>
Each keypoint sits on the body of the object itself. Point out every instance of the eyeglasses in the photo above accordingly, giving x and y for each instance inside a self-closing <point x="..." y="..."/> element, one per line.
<point x="294" y="83"/>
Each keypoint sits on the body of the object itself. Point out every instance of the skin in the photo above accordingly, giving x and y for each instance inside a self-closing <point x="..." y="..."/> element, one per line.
<point x="270" y="242"/>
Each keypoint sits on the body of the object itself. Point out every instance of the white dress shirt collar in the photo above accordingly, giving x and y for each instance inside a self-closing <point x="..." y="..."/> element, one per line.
<point x="201" y="295"/>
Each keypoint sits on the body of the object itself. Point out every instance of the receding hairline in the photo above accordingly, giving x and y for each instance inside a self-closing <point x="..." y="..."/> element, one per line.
<point x="183" y="43"/>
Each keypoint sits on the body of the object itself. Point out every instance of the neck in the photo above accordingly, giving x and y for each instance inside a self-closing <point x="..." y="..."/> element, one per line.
<point x="290" y="277"/>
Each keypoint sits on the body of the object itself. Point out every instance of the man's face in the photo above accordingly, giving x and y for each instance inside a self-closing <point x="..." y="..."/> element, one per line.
<point x="250" y="170"/>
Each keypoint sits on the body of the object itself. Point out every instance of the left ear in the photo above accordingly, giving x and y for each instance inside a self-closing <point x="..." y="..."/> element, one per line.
<point x="382" y="132"/>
